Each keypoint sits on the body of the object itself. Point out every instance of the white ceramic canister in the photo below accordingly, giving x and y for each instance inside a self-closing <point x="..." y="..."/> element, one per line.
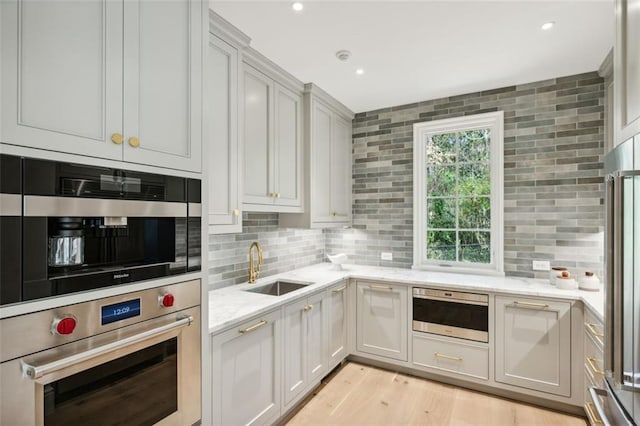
<point x="589" y="282"/>
<point x="565" y="281"/>
<point x="554" y="272"/>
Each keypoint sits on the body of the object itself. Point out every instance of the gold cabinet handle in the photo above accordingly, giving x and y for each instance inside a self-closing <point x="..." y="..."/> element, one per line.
<point x="334" y="214"/>
<point x="592" y="328"/>
<point x="589" y="406"/>
<point x="592" y="364"/>
<point x="235" y="212"/>
<point x="531" y="305"/>
<point x="380" y="287"/>
<point x="117" y="138"/>
<point x="134" y="142"/>
<point x="272" y="194"/>
<point x="253" y="327"/>
<point x="277" y="195"/>
<point x="308" y="308"/>
<point x="449" y="357"/>
<point x="340" y="290"/>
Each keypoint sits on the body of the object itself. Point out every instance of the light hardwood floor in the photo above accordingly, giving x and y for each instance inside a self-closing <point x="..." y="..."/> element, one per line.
<point x="363" y="395"/>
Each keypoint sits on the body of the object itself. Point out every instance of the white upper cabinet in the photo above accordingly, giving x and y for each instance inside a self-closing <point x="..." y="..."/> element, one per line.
<point x="163" y="83"/>
<point x="627" y="70"/>
<point x="223" y="161"/>
<point x="272" y="144"/>
<point x="328" y="150"/>
<point x="107" y="79"/>
<point x="62" y="75"/>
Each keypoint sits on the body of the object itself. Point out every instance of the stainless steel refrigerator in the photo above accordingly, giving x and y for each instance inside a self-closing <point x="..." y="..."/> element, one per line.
<point x="618" y="402"/>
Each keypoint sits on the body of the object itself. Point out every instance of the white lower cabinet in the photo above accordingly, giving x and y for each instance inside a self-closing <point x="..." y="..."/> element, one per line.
<point x="338" y="315"/>
<point x="381" y="326"/>
<point x="447" y="356"/>
<point x="246" y="369"/>
<point x="533" y="344"/>
<point x="305" y="341"/>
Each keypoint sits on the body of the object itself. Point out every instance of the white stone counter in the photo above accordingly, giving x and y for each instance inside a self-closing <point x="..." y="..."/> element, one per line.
<point x="231" y="305"/>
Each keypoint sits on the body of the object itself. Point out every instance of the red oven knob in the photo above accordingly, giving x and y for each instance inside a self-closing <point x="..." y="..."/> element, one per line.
<point x="64" y="325"/>
<point x="167" y="300"/>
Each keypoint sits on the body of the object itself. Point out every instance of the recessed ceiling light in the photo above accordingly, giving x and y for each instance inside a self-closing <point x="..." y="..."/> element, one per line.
<point x="359" y="71"/>
<point x="297" y="6"/>
<point x="548" y="25"/>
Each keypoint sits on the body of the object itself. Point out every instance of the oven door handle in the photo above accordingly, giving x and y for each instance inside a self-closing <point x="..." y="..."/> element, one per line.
<point x="37" y="371"/>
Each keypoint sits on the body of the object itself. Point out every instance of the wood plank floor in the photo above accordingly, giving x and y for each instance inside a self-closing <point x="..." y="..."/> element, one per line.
<point x="364" y="395"/>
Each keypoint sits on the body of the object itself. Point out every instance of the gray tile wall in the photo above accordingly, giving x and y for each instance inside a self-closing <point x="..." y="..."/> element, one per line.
<point x="553" y="153"/>
<point x="283" y="249"/>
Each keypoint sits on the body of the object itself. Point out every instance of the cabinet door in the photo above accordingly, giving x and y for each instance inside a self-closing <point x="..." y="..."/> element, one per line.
<point x="341" y="170"/>
<point x="381" y="327"/>
<point x="62" y="75"/>
<point x="338" y="305"/>
<point x="316" y="362"/>
<point x="533" y="344"/>
<point x="627" y="69"/>
<point x="321" y="166"/>
<point x="246" y="372"/>
<point x="295" y="336"/>
<point x="223" y="161"/>
<point x="258" y="126"/>
<point x="163" y="83"/>
<point x="287" y="147"/>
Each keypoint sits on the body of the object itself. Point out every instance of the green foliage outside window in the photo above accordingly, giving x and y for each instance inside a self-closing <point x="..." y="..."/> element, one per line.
<point x="458" y="197"/>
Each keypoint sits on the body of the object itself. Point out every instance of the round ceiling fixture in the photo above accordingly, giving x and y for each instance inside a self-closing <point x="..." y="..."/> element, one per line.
<point x="548" y="25"/>
<point x="343" y="55"/>
<point x="359" y="71"/>
<point x="297" y="6"/>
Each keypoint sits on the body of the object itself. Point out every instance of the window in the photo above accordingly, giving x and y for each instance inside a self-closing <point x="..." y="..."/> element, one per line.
<point x="458" y="194"/>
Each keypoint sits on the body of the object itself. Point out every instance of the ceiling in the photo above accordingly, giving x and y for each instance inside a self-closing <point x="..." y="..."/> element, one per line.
<point x="420" y="50"/>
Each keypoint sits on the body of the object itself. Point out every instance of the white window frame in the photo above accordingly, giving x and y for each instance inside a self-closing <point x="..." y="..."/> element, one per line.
<point x="495" y="122"/>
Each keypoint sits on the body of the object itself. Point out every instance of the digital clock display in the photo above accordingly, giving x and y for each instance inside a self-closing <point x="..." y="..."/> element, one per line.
<point x="120" y="311"/>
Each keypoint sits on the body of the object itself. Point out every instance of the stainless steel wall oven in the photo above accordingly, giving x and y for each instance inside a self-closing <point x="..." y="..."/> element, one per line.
<point x="451" y="313"/>
<point x="132" y="359"/>
<point x="84" y="227"/>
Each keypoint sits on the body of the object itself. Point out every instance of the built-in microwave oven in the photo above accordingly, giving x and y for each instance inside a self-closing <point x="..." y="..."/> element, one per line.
<point x="86" y="227"/>
<point x="451" y="313"/>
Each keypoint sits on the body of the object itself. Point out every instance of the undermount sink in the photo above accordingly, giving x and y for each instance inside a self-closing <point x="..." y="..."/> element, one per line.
<point x="278" y="288"/>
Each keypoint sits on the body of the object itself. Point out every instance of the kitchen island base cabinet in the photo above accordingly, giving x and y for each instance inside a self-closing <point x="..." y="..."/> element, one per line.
<point x="381" y="325"/>
<point x="246" y="369"/>
<point x="533" y="344"/>
<point x="304" y="346"/>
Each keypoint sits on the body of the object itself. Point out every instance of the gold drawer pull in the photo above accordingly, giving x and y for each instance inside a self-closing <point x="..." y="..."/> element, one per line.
<point x="592" y="329"/>
<point x="253" y="327"/>
<point x="235" y="212"/>
<point x="134" y="142"/>
<point x="117" y="138"/>
<point x="452" y="358"/>
<point x="531" y="304"/>
<point x="334" y="214"/>
<point x="589" y="407"/>
<point x="308" y="308"/>
<point x="277" y="195"/>
<point x="592" y="364"/>
<point x="380" y="287"/>
<point x="340" y="290"/>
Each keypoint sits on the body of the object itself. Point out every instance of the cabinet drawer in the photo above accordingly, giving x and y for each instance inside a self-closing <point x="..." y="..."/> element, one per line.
<point x="466" y="359"/>
<point x="593" y="359"/>
<point x="591" y="411"/>
<point x="594" y="327"/>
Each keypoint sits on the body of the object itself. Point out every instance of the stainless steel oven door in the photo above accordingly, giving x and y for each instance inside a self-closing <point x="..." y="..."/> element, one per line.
<point x="147" y="373"/>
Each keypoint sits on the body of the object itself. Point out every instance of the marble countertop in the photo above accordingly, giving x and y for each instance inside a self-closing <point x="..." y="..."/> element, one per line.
<point x="231" y="305"/>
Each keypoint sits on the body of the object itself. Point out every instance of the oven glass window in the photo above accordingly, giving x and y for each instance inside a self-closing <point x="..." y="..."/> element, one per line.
<point x="462" y="315"/>
<point x="138" y="389"/>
